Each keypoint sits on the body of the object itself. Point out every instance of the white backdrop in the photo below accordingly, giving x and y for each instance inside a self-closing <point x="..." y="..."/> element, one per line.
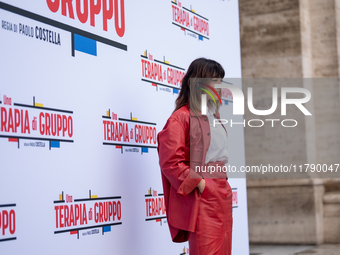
<point x="81" y="103"/>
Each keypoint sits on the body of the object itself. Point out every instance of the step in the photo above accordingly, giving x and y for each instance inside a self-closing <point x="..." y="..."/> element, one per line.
<point x="331" y="198"/>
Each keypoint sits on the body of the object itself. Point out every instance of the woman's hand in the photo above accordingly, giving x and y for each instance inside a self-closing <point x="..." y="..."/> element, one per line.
<point x="201" y="185"/>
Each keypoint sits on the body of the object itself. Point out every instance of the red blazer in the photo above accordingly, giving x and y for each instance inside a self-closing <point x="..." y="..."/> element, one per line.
<point x="183" y="133"/>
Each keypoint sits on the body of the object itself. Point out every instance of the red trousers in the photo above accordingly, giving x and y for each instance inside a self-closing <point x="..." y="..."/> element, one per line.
<point x="213" y="234"/>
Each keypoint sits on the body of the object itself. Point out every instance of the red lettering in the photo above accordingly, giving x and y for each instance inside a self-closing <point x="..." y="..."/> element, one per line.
<point x="64" y="124"/>
<point x="143" y="134"/>
<point x="76" y="212"/>
<point x="147" y="209"/>
<point x="163" y="206"/>
<point x="108" y="130"/>
<point x="110" y="210"/>
<point x="143" y="67"/>
<point x="156" y="206"/>
<point x="120" y="131"/>
<point x="150" y="208"/>
<point x="70" y="126"/>
<point x="16" y="119"/>
<point x="160" y="203"/>
<point x="95" y="212"/>
<point x="105" y="123"/>
<point x="7" y="221"/>
<point x="147" y="134"/>
<point x="22" y="121"/>
<point x="116" y="133"/>
<point x="84" y="218"/>
<point x="56" y="208"/>
<point x="139" y="133"/>
<point x="160" y="76"/>
<point x="126" y="133"/>
<point x="42" y="126"/>
<point x="4" y="221"/>
<point x="53" y="124"/>
<point x="112" y="132"/>
<point x="27" y="124"/>
<point x="174" y="13"/>
<point x="120" y="30"/>
<point x="70" y="8"/>
<point x="10" y="120"/>
<point x="114" y="209"/>
<point x="81" y="215"/>
<point x="84" y="9"/>
<point x="153" y="206"/>
<point x="3" y="119"/>
<point x="82" y="16"/>
<point x="105" y="211"/>
<point x="107" y="13"/>
<point x="61" y="216"/>
<point x="154" y="136"/>
<point x="12" y="222"/>
<point x="66" y="211"/>
<point x="72" y="217"/>
<point x="94" y="10"/>
<point x="100" y="212"/>
<point x="149" y="70"/>
<point x="58" y="124"/>
<point x="47" y="123"/>
<point x="53" y="5"/>
<point x="7" y="100"/>
<point x="119" y="210"/>
<point x="136" y="134"/>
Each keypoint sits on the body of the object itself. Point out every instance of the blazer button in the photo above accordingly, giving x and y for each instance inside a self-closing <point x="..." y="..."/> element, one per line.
<point x="208" y="133"/>
<point x="205" y="119"/>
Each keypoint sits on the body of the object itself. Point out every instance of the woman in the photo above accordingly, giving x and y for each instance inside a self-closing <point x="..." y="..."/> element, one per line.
<point x="198" y="208"/>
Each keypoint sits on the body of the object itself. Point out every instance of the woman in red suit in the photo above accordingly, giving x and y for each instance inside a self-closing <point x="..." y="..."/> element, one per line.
<point x="198" y="203"/>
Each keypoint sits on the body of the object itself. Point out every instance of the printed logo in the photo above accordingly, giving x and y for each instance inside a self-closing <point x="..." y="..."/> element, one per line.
<point x="81" y="40"/>
<point x="161" y="73"/>
<point x="184" y="251"/>
<point x="155" y="206"/>
<point x="87" y="216"/>
<point x="235" y="198"/>
<point x="35" y="123"/>
<point x="227" y="96"/>
<point x="7" y="222"/>
<point x="190" y="21"/>
<point x="134" y="134"/>
<point x="87" y="12"/>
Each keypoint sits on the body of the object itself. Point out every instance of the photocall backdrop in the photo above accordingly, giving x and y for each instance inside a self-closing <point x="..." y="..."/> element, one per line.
<point x="86" y="85"/>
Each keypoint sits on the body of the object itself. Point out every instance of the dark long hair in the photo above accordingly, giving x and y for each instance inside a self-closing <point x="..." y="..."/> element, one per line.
<point x="200" y="69"/>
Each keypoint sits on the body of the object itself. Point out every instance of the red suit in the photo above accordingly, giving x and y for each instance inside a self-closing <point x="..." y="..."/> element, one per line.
<point x="203" y="219"/>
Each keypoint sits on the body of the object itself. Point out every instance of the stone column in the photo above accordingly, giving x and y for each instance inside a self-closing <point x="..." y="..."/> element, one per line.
<point x="291" y="39"/>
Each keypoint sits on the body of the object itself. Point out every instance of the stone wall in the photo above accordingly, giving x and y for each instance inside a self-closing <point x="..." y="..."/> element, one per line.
<point x="293" y="39"/>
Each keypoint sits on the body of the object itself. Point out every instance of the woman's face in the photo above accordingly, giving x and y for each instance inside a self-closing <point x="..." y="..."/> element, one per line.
<point x="213" y="82"/>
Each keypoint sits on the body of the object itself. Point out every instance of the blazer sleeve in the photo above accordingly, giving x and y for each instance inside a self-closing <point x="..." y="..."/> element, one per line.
<point x="171" y="150"/>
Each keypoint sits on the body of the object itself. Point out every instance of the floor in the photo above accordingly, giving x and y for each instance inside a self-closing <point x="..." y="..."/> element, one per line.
<point x="324" y="249"/>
